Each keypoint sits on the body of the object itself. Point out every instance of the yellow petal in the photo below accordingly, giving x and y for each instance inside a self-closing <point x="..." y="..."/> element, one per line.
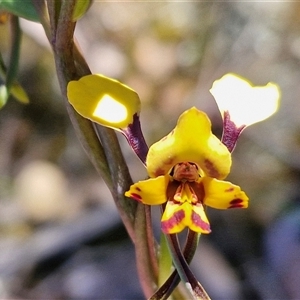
<point x="104" y="100"/>
<point x="174" y="216"/>
<point x="245" y="103"/>
<point x="151" y="191"/>
<point x="198" y="220"/>
<point x="178" y="216"/>
<point x="191" y="141"/>
<point x="223" y="194"/>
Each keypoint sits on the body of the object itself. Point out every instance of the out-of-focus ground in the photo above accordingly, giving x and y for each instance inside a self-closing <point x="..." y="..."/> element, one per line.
<point x="60" y="235"/>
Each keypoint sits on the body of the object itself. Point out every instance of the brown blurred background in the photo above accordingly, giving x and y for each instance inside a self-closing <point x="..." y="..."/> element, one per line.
<point x="60" y="235"/>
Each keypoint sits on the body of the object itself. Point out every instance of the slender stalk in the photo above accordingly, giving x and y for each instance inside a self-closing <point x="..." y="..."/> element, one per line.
<point x="144" y="264"/>
<point x="62" y="44"/>
<point x="171" y="283"/>
<point x="120" y="177"/>
<point x="186" y="275"/>
<point x="42" y="11"/>
<point x="106" y="156"/>
<point x="152" y="244"/>
<point x="165" y="266"/>
<point x="14" y="52"/>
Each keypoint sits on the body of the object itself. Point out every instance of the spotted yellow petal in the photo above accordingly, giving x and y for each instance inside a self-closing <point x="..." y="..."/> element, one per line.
<point x="177" y="216"/>
<point x="174" y="217"/>
<point x="223" y="194"/>
<point x="191" y="141"/>
<point x="151" y="191"/>
<point x="198" y="220"/>
<point x="104" y="100"/>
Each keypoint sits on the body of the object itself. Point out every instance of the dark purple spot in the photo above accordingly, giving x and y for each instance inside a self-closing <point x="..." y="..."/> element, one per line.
<point x="138" y="189"/>
<point x="136" y="196"/>
<point x="212" y="171"/>
<point x="236" y="206"/>
<point x="236" y="201"/>
<point x="167" y="225"/>
<point x="199" y="222"/>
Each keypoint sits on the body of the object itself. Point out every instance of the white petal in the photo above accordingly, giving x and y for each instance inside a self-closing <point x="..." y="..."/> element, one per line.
<point x="246" y="104"/>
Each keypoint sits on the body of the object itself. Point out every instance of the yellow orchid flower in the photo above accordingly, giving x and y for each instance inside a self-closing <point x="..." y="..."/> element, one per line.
<point x="186" y="169"/>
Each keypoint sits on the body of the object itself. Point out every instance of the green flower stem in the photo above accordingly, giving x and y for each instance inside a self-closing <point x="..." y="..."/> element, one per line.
<point x="55" y="10"/>
<point x="144" y="263"/>
<point x="89" y="140"/>
<point x="152" y="243"/>
<point x="165" y="261"/>
<point x="149" y="270"/>
<point x="120" y="177"/>
<point x="71" y="65"/>
<point x="63" y="53"/>
<point x="14" y="52"/>
<point x="43" y="15"/>
<point x="62" y="30"/>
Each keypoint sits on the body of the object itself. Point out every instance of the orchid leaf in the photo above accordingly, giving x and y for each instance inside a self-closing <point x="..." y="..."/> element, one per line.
<point x="23" y="9"/>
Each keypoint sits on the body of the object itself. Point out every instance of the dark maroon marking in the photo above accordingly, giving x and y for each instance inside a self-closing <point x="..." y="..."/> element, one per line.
<point x="212" y="171"/>
<point x="136" y="196"/>
<point x="231" y="133"/>
<point x="236" y="201"/>
<point x="169" y="161"/>
<point x="173" y="221"/>
<point x="171" y="189"/>
<point x="199" y="222"/>
<point x="198" y="189"/>
<point x="135" y="138"/>
<point x="138" y="189"/>
<point x="236" y="206"/>
<point x="229" y="190"/>
<point x="159" y="172"/>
